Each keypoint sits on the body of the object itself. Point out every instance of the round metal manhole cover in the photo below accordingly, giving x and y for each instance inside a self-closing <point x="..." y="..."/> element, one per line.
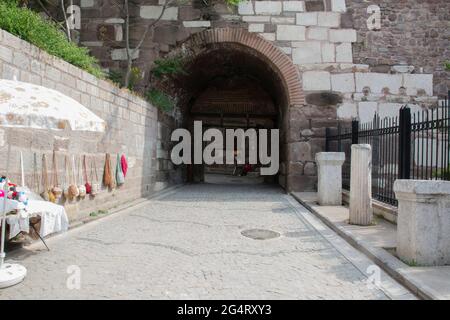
<point x="260" y="234"/>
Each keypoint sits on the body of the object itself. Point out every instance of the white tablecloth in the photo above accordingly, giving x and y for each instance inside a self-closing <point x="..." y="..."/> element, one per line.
<point x="53" y="217"/>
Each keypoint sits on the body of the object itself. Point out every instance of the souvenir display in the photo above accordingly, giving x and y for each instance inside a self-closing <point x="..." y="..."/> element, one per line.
<point x="81" y="186"/>
<point x="56" y="189"/>
<point x="120" y="178"/>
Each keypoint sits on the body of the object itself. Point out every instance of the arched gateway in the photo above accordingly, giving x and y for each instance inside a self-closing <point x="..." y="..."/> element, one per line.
<point x="237" y="79"/>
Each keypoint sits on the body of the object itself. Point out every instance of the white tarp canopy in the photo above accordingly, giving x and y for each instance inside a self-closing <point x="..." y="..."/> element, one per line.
<point x="32" y="106"/>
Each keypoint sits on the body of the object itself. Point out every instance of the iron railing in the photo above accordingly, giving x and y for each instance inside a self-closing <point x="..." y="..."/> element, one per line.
<point x="408" y="146"/>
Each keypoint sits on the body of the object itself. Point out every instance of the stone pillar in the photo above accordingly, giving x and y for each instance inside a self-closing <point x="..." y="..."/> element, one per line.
<point x="329" y="187"/>
<point x="423" y="222"/>
<point x="361" y="212"/>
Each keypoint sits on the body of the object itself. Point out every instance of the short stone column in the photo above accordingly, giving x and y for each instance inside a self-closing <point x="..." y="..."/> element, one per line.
<point x="423" y="222"/>
<point x="361" y="212"/>
<point x="329" y="187"/>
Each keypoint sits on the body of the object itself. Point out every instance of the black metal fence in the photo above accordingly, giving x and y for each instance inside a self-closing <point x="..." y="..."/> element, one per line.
<point x="408" y="146"/>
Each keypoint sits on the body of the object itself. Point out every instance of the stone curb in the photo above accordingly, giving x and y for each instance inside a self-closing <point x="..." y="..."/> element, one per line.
<point x="391" y="265"/>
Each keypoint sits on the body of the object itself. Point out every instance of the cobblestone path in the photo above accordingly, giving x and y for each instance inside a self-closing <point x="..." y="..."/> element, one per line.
<point x="188" y="244"/>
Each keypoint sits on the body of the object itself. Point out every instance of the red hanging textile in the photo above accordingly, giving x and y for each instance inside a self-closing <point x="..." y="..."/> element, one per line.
<point x="124" y="163"/>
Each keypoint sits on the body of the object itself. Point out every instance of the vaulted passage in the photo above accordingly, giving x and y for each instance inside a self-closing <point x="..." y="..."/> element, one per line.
<point x="231" y="87"/>
<point x="236" y="79"/>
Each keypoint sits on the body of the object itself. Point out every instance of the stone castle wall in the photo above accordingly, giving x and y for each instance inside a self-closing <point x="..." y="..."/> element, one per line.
<point x="134" y="128"/>
<point x="326" y="42"/>
<point x="414" y="33"/>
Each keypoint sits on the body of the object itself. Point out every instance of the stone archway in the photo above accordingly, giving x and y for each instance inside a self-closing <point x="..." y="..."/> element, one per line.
<point x="265" y="60"/>
<point x="273" y="56"/>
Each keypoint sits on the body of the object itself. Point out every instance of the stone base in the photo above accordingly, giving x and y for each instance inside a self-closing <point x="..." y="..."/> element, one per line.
<point x="423" y="223"/>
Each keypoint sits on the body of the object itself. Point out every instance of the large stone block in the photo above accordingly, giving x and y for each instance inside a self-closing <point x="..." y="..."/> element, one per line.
<point x="197" y="24"/>
<point x="343" y="35"/>
<point x="317" y="33"/>
<point x="338" y="6"/>
<point x="423" y="222"/>
<point x="344" y="82"/>
<point x="6" y="54"/>
<point x="256" y="18"/>
<point x="296" y="6"/>
<point x="256" y="27"/>
<point x="246" y="8"/>
<point x="418" y="84"/>
<point x="344" y="53"/>
<point x="307" y="18"/>
<point x="308" y="52"/>
<point x="282" y="20"/>
<point x="153" y="12"/>
<point x="378" y="81"/>
<point x="329" y="186"/>
<point x="328" y="52"/>
<point x="86" y="3"/>
<point x="366" y="111"/>
<point x="389" y="110"/>
<point x="269" y="36"/>
<point x="290" y="33"/>
<point x="329" y="19"/>
<point x="300" y="151"/>
<point x="316" y="80"/>
<point x="121" y="54"/>
<point x="347" y="111"/>
<point x="268" y="7"/>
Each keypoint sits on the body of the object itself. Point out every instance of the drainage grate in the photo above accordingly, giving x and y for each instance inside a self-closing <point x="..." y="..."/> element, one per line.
<point x="260" y="234"/>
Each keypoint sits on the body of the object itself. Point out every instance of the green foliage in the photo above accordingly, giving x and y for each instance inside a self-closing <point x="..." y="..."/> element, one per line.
<point x="160" y="100"/>
<point x="135" y="77"/>
<point x="168" y="66"/>
<point x="447" y="65"/>
<point x="116" y="77"/>
<point x="441" y="173"/>
<point x="97" y="213"/>
<point x="233" y="2"/>
<point x="46" y="35"/>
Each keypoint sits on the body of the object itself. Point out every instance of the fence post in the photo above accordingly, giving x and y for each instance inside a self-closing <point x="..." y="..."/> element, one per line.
<point x="355" y="131"/>
<point x="339" y="149"/>
<point x="327" y="141"/>
<point x="404" y="144"/>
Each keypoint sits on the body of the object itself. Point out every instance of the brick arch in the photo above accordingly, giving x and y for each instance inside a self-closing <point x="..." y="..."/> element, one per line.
<point x="278" y="60"/>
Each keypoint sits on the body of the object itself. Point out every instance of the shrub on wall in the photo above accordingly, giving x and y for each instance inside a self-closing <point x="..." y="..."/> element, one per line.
<point x="31" y="27"/>
<point x="160" y="100"/>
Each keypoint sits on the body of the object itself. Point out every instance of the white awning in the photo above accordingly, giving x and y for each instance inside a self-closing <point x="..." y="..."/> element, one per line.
<point x="30" y="106"/>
